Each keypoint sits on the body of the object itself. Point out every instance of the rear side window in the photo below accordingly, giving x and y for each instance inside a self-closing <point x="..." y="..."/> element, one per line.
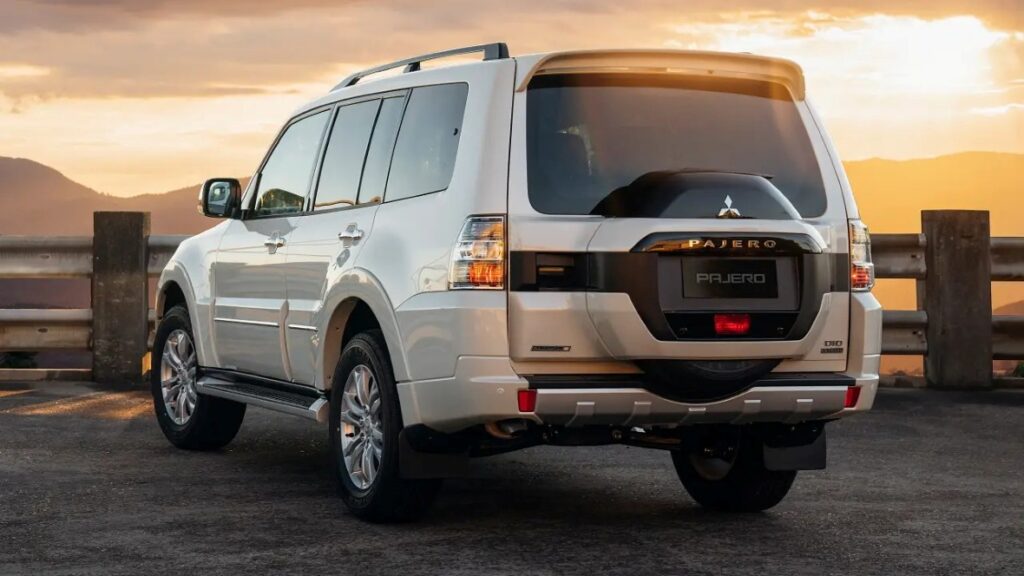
<point x="428" y="140"/>
<point x="285" y="178"/>
<point x="343" y="160"/>
<point x="378" y="158"/>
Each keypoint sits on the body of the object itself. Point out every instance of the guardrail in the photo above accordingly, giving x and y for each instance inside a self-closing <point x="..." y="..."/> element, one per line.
<point x="953" y="261"/>
<point x="120" y="259"/>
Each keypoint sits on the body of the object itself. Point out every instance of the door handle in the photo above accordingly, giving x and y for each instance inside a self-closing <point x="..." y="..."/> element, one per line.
<point x="351" y="235"/>
<point x="274" y="242"/>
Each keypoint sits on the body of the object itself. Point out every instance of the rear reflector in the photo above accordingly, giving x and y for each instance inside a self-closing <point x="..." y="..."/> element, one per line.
<point x="852" y="396"/>
<point x="527" y="400"/>
<point x="732" y="324"/>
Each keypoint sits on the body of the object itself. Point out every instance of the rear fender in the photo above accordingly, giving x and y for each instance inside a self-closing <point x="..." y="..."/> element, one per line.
<point x="362" y="285"/>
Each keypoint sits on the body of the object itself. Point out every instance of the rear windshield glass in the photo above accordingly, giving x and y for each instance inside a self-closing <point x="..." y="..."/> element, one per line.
<point x="589" y="135"/>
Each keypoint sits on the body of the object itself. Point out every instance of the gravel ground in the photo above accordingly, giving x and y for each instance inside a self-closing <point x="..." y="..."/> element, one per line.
<point x="927" y="483"/>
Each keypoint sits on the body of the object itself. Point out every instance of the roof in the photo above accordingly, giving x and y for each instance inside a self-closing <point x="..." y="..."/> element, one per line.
<point x="695" y="62"/>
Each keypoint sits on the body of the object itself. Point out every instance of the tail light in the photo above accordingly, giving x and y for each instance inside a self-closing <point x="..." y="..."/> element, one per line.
<point x="862" y="271"/>
<point x="478" y="260"/>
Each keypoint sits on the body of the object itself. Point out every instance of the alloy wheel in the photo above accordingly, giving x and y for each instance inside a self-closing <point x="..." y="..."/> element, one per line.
<point x="178" y="376"/>
<point x="362" y="431"/>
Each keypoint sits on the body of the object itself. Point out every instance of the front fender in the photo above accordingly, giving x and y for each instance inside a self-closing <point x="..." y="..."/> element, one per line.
<point x="198" y="303"/>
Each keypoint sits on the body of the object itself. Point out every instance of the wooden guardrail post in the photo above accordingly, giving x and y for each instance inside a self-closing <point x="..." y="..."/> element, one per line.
<point x="958" y="299"/>
<point x="120" y="301"/>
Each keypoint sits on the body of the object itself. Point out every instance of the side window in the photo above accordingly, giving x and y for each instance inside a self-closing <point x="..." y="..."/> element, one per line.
<point x="284" y="180"/>
<point x="427" y="141"/>
<point x="343" y="160"/>
<point x="378" y="159"/>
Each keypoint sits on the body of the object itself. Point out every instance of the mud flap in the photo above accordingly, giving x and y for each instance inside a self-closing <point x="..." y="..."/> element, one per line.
<point x="809" y="456"/>
<point x="416" y="464"/>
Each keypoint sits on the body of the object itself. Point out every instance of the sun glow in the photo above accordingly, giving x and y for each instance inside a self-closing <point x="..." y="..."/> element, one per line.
<point x="15" y="71"/>
<point x="888" y="86"/>
<point x="886" y="53"/>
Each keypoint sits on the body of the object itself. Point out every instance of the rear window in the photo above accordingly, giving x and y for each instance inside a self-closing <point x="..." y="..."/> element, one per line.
<point x="589" y="135"/>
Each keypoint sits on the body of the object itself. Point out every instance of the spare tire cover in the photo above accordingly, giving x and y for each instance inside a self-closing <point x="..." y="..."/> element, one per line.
<point x="704" y="380"/>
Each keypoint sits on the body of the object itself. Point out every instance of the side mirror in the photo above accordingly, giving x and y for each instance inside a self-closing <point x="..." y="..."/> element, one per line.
<point x="220" y="198"/>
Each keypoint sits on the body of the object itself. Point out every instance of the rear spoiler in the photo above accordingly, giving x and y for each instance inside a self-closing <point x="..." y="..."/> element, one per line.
<point x="730" y="65"/>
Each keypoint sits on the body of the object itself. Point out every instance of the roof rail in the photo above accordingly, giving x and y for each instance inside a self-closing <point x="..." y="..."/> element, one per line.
<point x="494" y="51"/>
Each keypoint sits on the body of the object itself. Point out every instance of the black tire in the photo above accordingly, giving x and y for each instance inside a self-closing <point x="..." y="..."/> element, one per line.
<point x="746" y="486"/>
<point x="389" y="497"/>
<point x="214" y="422"/>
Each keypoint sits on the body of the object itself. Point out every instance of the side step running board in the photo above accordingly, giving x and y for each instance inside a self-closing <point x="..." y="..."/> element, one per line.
<point x="312" y="405"/>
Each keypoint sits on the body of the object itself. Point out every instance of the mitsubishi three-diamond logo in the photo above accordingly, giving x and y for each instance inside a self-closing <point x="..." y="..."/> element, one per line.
<point x="729" y="211"/>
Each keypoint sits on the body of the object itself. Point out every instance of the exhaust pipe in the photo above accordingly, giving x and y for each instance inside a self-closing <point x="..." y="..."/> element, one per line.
<point x="506" y="429"/>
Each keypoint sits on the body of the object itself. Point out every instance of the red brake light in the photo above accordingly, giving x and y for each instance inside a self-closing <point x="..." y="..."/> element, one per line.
<point x="527" y="400"/>
<point x="852" y="396"/>
<point x="732" y="324"/>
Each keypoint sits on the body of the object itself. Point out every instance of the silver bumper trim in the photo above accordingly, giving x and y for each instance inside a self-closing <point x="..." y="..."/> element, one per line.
<point x="639" y="407"/>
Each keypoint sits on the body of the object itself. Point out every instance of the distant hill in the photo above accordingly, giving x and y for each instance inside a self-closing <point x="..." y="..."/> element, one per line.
<point x="892" y="193"/>
<point x="40" y="200"/>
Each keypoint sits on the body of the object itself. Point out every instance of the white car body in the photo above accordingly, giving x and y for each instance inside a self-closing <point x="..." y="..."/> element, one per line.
<point x="272" y="297"/>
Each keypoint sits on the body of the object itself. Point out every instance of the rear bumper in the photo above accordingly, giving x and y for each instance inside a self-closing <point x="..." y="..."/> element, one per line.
<point x="485" y="389"/>
<point x="640" y="407"/>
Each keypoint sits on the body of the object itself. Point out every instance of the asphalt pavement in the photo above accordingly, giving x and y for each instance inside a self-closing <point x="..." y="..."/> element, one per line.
<point x="927" y="483"/>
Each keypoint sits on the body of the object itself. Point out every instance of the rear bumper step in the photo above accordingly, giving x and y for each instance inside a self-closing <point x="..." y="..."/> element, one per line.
<point x="626" y="406"/>
<point x="590" y="381"/>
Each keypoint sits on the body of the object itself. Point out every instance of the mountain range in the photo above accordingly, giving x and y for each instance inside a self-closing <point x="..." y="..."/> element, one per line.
<point x="32" y="193"/>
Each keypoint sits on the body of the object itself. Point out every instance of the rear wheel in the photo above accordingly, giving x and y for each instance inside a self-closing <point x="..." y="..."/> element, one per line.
<point x="365" y="422"/>
<point x="188" y="419"/>
<point x="729" y="474"/>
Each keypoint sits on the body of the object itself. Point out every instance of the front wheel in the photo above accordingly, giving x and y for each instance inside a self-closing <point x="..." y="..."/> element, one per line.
<point x="188" y="419"/>
<point x="365" y="422"/>
<point x="729" y="474"/>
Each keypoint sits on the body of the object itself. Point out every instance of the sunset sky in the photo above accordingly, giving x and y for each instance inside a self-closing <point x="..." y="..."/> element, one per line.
<point x="137" y="96"/>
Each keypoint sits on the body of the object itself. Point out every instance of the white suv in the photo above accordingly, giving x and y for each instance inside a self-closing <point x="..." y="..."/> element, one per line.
<point x="652" y="247"/>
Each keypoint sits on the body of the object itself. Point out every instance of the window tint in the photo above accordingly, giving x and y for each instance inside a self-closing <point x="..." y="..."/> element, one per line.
<point x="678" y="145"/>
<point x="427" y="141"/>
<point x="285" y="178"/>
<point x="375" y="174"/>
<point x="343" y="160"/>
